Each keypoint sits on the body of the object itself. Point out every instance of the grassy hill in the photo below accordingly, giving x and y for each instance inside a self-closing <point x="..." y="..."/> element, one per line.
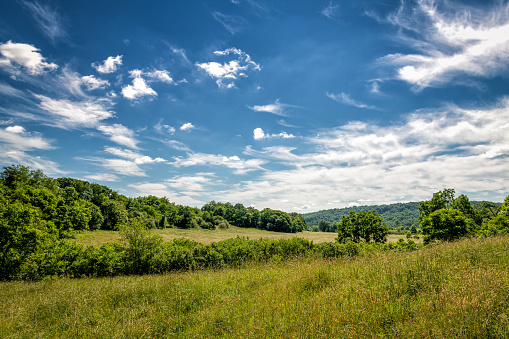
<point x="402" y="215"/>
<point x="100" y="237"/>
<point x="451" y="290"/>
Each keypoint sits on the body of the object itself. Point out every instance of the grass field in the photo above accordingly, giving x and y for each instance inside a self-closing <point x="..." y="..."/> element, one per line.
<point x="456" y="290"/>
<point x="98" y="238"/>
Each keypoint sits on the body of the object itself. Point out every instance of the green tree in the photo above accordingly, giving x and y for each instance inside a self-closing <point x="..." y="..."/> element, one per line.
<point x="365" y="226"/>
<point x="446" y="224"/>
<point x="440" y="200"/>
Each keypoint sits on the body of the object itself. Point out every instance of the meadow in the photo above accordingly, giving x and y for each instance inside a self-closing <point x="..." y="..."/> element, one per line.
<point x="458" y="289"/>
<point x="204" y="236"/>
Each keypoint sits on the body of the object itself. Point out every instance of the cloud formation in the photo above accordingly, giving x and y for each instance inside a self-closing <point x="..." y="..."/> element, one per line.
<point x="25" y="55"/>
<point x="227" y="72"/>
<point x="277" y="108"/>
<point x="475" y="43"/>
<point x="239" y="166"/>
<point x="345" y="99"/>
<point x="120" y="134"/>
<point x="139" y="87"/>
<point x="330" y="11"/>
<point x="49" y="20"/>
<point x="109" y="65"/>
<point x="259" y="134"/>
<point x="186" y="126"/>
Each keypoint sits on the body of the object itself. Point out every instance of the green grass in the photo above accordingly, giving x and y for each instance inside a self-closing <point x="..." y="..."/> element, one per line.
<point x="98" y="238"/>
<point x="453" y="290"/>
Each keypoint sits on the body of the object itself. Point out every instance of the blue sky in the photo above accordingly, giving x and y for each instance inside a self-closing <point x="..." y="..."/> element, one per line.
<point x="292" y="105"/>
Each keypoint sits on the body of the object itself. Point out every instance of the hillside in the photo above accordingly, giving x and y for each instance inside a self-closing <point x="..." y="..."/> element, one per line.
<point x="455" y="290"/>
<point x="402" y="215"/>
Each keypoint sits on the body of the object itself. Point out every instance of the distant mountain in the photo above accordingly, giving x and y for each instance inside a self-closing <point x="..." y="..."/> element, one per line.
<point x="402" y="215"/>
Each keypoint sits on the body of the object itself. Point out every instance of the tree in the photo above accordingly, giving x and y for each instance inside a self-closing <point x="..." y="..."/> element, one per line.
<point x="365" y="226"/>
<point x="440" y="200"/>
<point x="446" y="224"/>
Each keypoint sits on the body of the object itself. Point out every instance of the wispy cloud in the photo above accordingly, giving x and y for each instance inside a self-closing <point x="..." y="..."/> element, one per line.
<point x="109" y="65"/>
<point x="120" y="134"/>
<point x="138" y="158"/>
<point x="230" y="22"/>
<point x="331" y="10"/>
<point x="345" y="99"/>
<point x="68" y="114"/>
<point x="475" y="43"/>
<point x="239" y="166"/>
<point x="51" y="23"/>
<point x="451" y="146"/>
<point x="277" y="108"/>
<point x="25" y="55"/>
<point x="226" y="73"/>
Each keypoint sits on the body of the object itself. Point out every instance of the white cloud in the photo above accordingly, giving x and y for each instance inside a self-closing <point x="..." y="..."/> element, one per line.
<point x="120" y="134"/>
<point x="123" y="167"/>
<point x="16" y="138"/>
<point x="139" y="88"/>
<point x="109" y="65"/>
<point x="93" y="83"/>
<point x="49" y="20"/>
<point x="68" y="114"/>
<point x="186" y="126"/>
<point x="15" y="129"/>
<point x="24" y="55"/>
<point x="8" y="90"/>
<point x="277" y="108"/>
<point x="466" y="149"/>
<point x="103" y="177"/>
<point x="345" y="99"/>
<point x="240" y="166"/>
<point x="163" y="129"/>
<point x="259" y="134"/>
<point x="226" y="73"/>
<point x="139" y="159"/>
<point x="475" y="43"/>
<point x="160" y="75"/>
<point x="330" y="11"/>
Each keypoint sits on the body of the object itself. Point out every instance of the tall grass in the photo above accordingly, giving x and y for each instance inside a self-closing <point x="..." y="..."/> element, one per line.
<point x="452" y="290"/>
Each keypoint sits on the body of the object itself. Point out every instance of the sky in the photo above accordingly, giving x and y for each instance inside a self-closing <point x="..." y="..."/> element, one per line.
<point x="291" y="105"/>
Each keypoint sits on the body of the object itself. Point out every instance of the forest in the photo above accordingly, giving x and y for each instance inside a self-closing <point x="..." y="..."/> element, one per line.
<point x="39" y="215"/>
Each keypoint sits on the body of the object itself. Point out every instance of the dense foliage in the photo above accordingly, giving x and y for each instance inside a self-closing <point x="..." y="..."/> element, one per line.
<point x="362" y="226"/>
<point x="447" y="218"/>
<point x="37" y="213"/>
<point x="267" y="219"/>
<point x="402" y="215"/>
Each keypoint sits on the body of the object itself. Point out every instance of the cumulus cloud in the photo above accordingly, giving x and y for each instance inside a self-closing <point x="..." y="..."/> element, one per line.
<point x="186" y="126"/>
<point x="120" y="134"/>
<point x="139" y="87"/>
<point x="347" y="100"/>
<point x="226" y="73"/>
<point x="109" y="65"/>
<point x="259" y="134"/>
<point x="25" y="55"/>
<point x="474" y="42"/>
<point x="123" y="167"/>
